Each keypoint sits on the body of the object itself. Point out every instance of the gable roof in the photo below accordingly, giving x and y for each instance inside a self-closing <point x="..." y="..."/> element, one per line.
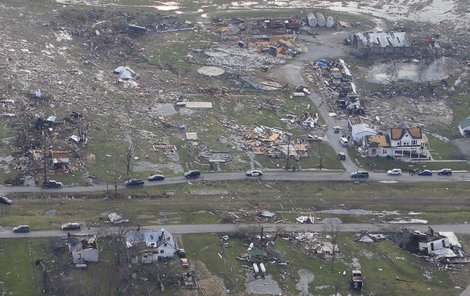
<point x="465" y="123"/>
<point x="398" y="133"/>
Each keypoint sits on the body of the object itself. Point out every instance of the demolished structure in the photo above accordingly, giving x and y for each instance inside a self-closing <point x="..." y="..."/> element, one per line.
<point x="367" y="43"/>
<point x="83" y="248"/>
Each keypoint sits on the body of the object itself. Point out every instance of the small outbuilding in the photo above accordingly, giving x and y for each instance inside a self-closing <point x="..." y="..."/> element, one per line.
<point x="464" y="127"/>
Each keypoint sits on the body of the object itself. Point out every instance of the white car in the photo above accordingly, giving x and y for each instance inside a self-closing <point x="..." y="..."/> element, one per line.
<point x="394" y="172"/>
<point x="254" y="173"/>
<point x="344" y="141"/>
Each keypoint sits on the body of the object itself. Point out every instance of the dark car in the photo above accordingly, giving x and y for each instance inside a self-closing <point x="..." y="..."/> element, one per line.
<point x="51" y="184"/>
<point x="342" y="156"/>
<point x="360" y="175"/>
<point x="192" y="174"/>
<point x="134" y="182"/>
<point x="5" y="200"/>
<point x="71" y="226"/>
<point x="21" y="229"/>
<point x="425" y="173"/>
<point x="156" y="178"/>
<point x="444" y="172"/>
<point x="254" y="173"/>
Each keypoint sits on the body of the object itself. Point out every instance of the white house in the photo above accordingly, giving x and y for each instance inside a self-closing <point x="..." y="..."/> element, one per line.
<point x="403" y="142"/>
<point x="152" y="245"/>
<point x="83" y="248"/>
<point x="464" y="127"/>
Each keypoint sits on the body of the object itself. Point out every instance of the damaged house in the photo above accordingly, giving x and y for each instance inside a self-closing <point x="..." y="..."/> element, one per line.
<point x="367" y="43"/>
<point x="439" y="245"/>
<point x="151" y="246"/>
<point x="403" y="142"/>
<point x="83" y="248"/>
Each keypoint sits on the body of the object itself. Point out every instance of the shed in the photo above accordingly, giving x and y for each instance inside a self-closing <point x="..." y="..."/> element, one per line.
<point x="464" y="127"/>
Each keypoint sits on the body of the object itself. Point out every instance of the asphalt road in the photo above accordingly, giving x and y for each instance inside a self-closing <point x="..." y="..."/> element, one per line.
<point x="267" y="176"/>
<point x="230" y="228"/>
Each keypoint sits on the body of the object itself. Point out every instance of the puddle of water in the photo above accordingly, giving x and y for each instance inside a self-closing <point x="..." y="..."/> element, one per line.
<point x="167" y="213"/>
<point x="306" y="277"/>
<point x="415" y="72"/>
<point x="357" y="212"/>
<point x="263" y="286"/>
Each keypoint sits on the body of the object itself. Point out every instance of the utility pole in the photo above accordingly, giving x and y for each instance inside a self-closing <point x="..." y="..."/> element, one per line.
<point x="44" y="156"/>
<point x="288" y="151"/>
<point x="319" y="155"/>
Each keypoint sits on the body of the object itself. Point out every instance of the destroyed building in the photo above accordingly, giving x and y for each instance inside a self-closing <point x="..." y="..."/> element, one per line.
<point x="83" y="248"/>
<point x="464" y="127"/>
<point x="438" y="245"/>
<point x="151" y="246"/>
<point x="367" y="43"/>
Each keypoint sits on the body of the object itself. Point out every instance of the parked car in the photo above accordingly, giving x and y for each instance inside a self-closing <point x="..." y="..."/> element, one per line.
<point x="5" y="200"/>
<point x="192" y="174"/>
<point x="444" y="172"/>
<point x="360" y="175"/>
<point x="342" y="156"/>
<point x="425" y="173"/>
<point x="21" y="229"/>
<point x="254" y="173"/>
<point x="344" y="141"/>
<point x="184" y="263"/>
<point x="134" y="182"/>
<point x="394" y="172"/>
<point x="156" y="178"/>
<point x="313" y="138"/>
<point x="71" y="226"/>
<point x="52" y="184"/>
<point x="337" y="128"/>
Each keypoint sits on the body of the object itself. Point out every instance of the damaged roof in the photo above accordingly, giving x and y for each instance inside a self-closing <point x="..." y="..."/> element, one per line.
<point x="398" y="133"/>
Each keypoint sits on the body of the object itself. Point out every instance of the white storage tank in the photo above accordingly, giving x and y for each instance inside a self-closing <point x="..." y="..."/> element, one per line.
<point x="255" y="267"/>
<point x="330" y="22"/>
<point x="261" y="266"/>
<point x="321" y="20"/>
<point x="311" y="19"/>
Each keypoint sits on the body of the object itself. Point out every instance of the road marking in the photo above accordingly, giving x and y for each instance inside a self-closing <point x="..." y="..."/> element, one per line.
<point x="388" y="182"/>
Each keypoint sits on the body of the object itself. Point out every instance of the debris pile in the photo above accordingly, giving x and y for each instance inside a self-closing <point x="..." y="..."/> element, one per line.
<point x="314" y="244"/>
<point x="440" y="247"/>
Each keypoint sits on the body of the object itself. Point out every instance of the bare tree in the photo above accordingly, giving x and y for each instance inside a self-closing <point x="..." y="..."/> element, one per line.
<point x="128" y="158"/>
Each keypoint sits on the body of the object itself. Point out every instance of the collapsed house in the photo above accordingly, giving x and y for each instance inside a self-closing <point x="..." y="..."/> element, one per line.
<point x="277" y="143"/>
<point x="464" y="127"/>
<point x="151" y="246"/>
<point x="83" y="248"/>
<point x="367" y="43"/>
<point x="402" y="142"/>
<point x="437" y="245"/>
<point x="360" y="128"/>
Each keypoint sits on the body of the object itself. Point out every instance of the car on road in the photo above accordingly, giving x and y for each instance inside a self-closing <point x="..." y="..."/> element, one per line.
<point x="394" y="172"/>
<point x="342" y="156"/>
<point x="192" y="174"/>
<point x="71" y="226"/>
<point x="156" y="178"/>
<point x="313" y="138"/>
<point x="425" y="173"/>
<point x="51" y="184"/>
<point x="134" y="182"/>
<point x="21" y="229"/>
<point x="336" y="129"/>
<point x="360" y="175"/>
<point x="254" y="173"/>
<point x="344" y="141"/>
<point x="5" y="200"/>
<point x="444" y="172"/>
